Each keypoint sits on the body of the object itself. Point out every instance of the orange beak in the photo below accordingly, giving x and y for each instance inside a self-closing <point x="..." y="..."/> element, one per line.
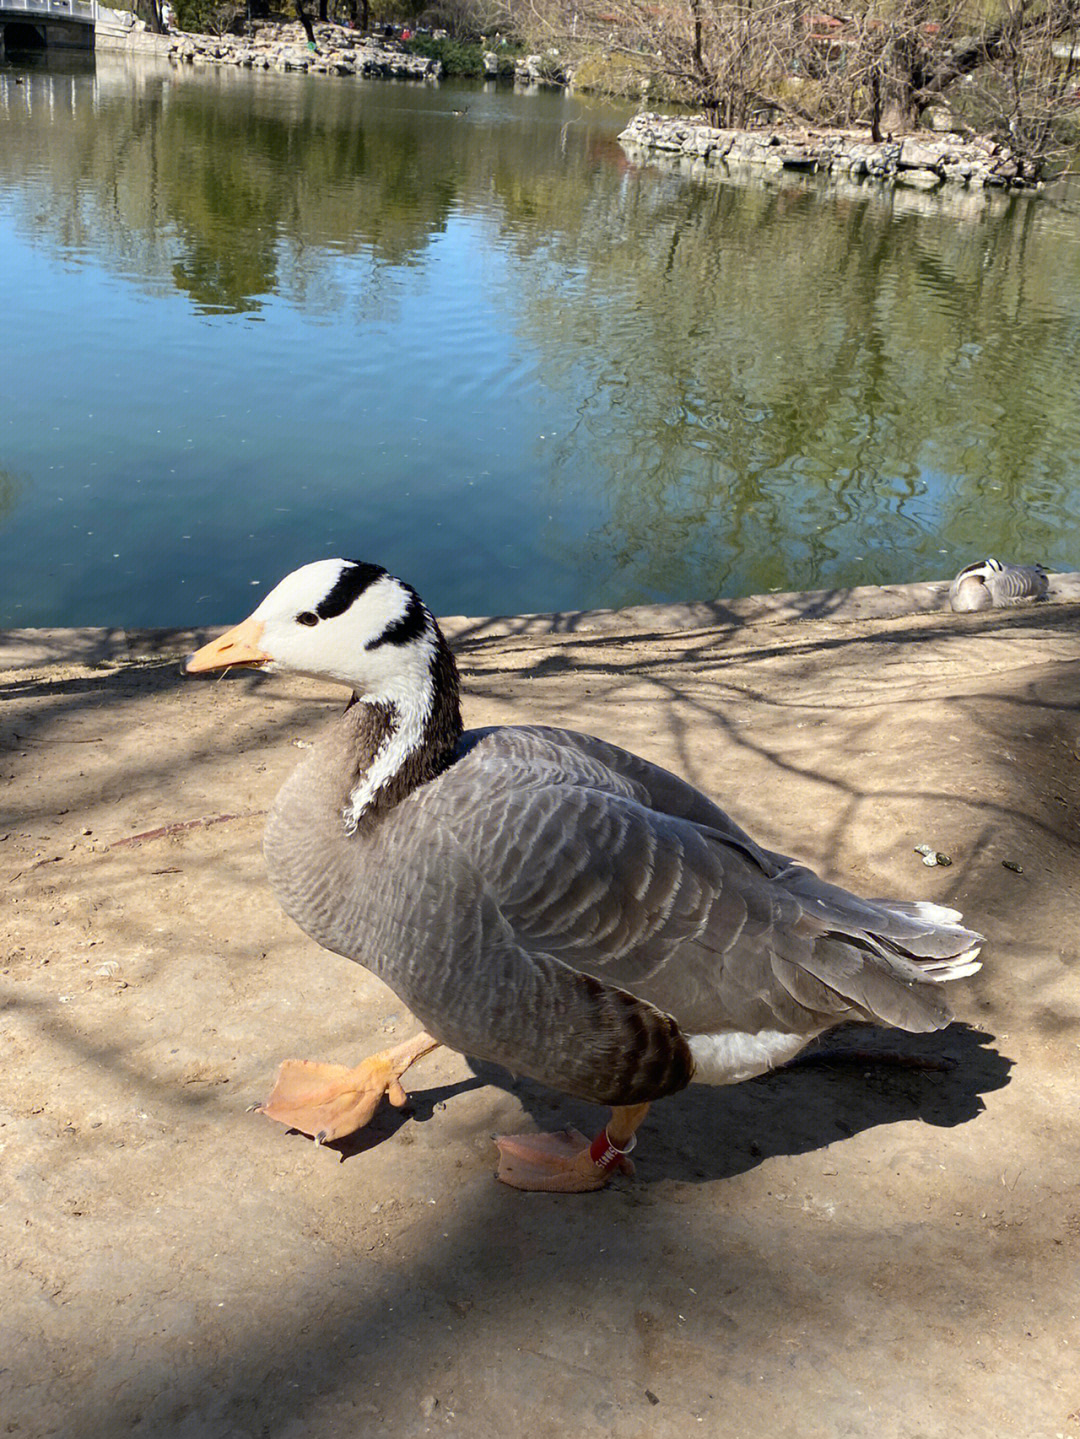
<point x="238" y="646"/>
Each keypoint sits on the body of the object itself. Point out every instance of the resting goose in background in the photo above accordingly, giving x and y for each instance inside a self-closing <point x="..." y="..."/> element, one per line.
<point x="546" y="900"/>
<point x="990" y="584"/>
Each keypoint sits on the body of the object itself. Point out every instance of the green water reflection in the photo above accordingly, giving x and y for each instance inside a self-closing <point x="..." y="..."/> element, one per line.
<point x="262" y="318"/>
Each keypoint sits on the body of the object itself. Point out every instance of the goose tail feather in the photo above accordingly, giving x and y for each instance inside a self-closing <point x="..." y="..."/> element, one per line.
<point x="884" y="958"/>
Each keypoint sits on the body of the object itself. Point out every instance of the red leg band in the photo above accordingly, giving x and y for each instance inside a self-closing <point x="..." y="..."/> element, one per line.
<point x="604" y="1154"/>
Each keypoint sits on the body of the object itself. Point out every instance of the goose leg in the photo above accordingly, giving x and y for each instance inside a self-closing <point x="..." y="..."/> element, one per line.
<point x="329" y="1101"/>
<point x="565" y="1162"/>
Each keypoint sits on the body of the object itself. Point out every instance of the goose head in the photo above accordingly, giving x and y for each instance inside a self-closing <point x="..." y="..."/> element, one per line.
<point x="356" y="624"/>
<point x="341" y="620"/>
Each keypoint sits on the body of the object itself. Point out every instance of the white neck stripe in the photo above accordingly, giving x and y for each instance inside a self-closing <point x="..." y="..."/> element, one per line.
<point x="411" y="709"/>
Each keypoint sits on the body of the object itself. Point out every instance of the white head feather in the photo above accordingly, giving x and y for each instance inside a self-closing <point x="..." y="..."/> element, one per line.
<point x="350" y="646"/>
<point x="381" y="644"/>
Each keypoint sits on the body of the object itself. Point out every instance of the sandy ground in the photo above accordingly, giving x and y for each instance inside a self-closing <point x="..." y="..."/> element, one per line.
<point x="837" y="1248"/>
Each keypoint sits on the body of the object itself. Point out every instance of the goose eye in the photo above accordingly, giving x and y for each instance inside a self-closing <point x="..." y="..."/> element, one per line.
<point x="307" y="617"/>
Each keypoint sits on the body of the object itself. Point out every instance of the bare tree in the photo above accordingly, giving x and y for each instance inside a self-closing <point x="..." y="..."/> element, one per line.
<point x="221" y="17"/>
<point x="1004" y="65"/>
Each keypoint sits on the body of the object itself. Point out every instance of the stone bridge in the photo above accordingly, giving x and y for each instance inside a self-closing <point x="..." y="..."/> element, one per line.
<point x="39" y="25"/>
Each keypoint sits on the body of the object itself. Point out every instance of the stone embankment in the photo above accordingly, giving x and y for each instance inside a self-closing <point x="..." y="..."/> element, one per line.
<point x="547" y="69"/>
<point x="284" y="47"/>
<point x="123" y="31"/>
<point x="922" y="162"/>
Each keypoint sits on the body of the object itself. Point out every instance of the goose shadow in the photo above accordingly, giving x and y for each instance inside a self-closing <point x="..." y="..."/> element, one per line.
<point x="421" y="1106"/>
<point x="859" y="1077"/>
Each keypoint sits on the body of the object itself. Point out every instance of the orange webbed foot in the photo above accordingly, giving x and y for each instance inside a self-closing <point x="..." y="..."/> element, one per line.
<point x="560" y="1163"/>
<point x="329" y="1101"/>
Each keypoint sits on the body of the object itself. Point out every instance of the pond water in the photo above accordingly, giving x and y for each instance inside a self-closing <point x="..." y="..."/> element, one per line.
<point x="251" y="320"/>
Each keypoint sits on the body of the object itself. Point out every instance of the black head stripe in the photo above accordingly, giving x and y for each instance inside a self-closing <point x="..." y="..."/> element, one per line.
<point x="409" y="627"/>
<point x="353" y="580"/>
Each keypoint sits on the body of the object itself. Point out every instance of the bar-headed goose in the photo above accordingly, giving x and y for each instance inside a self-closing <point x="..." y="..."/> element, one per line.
<point x="546" y="900"/>
<point x="990" y="584"/>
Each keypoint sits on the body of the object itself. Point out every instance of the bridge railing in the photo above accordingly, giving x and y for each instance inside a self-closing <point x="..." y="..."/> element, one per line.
<point x="54" y="9"/>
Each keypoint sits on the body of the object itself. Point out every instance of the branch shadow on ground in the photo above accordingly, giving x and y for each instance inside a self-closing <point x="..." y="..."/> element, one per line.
<point x="381" y="1321"/>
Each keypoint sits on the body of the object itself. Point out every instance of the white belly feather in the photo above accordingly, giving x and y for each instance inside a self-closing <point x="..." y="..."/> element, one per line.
<point x="734" y="1056"/>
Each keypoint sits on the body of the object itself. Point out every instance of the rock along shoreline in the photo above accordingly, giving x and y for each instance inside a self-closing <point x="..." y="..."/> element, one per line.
<point x="285" y="47"/>
<point x="926" y="161"/>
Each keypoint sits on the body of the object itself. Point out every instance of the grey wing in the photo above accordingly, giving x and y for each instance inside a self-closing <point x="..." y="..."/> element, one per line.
<point x="524" y="755"/>
<point x="1012" y="583"/>
<point x="688" y="913"/>
<point x="478" y="984"/>
<point x="575" y="933"/>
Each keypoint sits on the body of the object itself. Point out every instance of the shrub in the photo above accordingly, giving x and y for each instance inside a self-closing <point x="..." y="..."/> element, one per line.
<point x="458" y="57"/>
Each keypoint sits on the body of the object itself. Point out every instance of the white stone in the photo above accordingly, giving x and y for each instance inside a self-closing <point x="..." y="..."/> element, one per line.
<point x="919" y="179"/>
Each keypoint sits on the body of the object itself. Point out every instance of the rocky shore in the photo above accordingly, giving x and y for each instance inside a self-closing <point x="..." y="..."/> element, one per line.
<point x="275" y="45"/>
<point x="342" y="51"/>
<point x="285" y="47"/>
<point x="925" y="161"/>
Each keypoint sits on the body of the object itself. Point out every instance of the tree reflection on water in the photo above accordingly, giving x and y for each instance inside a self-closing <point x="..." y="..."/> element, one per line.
<point x="738" y="385"/>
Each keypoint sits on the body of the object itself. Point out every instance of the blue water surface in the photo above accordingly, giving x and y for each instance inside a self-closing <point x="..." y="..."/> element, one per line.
<point x="256" y="320"/>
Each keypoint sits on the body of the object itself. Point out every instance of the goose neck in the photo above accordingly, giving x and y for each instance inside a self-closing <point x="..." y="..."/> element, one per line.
<point x="401" y="738"/>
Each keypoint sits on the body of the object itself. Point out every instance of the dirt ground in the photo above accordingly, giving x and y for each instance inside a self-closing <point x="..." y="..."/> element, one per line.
<point x="843" y="1249"/>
